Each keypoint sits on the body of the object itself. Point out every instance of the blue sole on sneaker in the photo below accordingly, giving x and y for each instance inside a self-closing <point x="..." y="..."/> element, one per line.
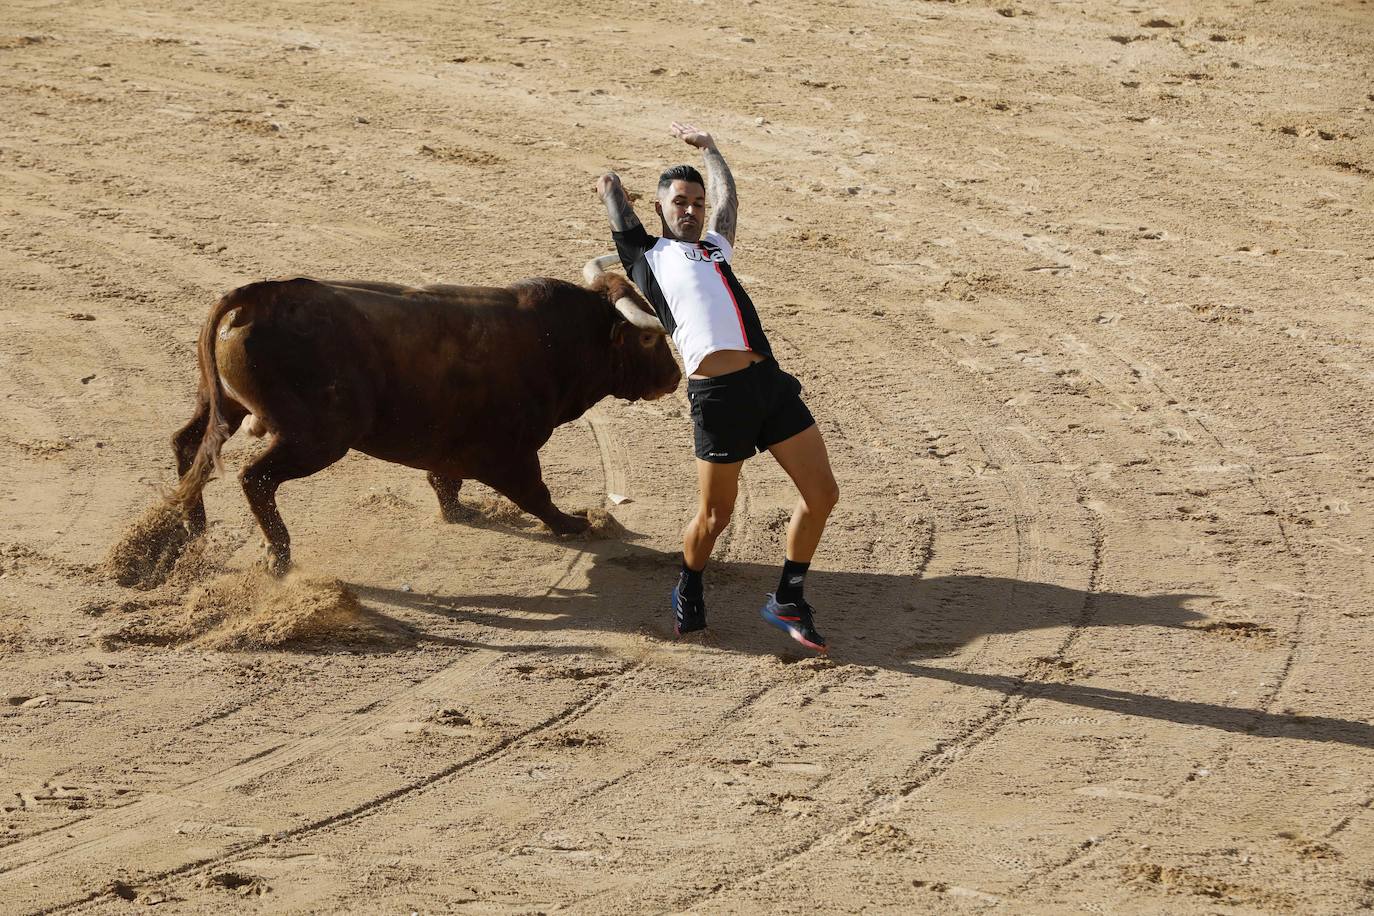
<point x="791" y="630"/>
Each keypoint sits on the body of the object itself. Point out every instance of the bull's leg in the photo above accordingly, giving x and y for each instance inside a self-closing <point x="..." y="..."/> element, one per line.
<point x="446" y="488"/>
<point x="522" y="483"/>
<point x="185" y="443"/>
<point x="285" y="459"/>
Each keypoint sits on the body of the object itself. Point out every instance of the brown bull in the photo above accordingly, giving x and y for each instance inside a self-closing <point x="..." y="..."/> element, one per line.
<point x="462" y="382"/>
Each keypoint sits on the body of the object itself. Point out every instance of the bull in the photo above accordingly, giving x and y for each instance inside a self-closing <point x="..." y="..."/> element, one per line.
<point x="463" y="382"/>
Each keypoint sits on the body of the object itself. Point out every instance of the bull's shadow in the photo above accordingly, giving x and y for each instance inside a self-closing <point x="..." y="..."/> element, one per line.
<point x="895" y="622"/>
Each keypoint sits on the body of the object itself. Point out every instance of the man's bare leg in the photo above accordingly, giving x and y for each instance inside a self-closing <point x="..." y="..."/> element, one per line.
<point x="804" y="458"/>
<point x="806" y="461"/>
<point x="718" y="485"/>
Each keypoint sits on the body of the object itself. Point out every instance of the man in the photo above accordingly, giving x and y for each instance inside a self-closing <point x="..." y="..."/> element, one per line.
<point x="741" y="400"/>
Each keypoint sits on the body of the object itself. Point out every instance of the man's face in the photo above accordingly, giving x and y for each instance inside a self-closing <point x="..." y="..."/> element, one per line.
<point x="682" y="207"/>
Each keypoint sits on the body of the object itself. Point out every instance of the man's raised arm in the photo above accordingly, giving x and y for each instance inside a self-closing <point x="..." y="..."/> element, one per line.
<point x="618" y="207"/>
<point x="720" y="184"/>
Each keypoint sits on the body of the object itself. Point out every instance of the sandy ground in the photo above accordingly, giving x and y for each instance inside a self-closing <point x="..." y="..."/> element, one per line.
<point x="1080" y="294"/>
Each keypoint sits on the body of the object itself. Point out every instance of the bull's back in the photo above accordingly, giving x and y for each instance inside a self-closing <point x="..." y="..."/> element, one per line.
<point x="430" y="377"/>
<point x="460" y="383"/>
<point x="440" y="338"/>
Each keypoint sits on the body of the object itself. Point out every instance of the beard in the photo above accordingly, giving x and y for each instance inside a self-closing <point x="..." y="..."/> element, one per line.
<point x="684" y="232"/>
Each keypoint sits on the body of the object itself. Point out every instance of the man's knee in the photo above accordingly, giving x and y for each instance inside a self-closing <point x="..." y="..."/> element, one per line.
<point x="715" y="518"/>
<point x="823" y="498"/>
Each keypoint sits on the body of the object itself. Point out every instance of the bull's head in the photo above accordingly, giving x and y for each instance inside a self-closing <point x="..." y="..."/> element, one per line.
<point x="646" y="365"/>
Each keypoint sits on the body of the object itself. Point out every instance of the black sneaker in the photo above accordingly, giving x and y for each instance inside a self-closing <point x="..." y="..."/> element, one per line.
<point x="689" y="614"/>
<point x="795" y="620"/>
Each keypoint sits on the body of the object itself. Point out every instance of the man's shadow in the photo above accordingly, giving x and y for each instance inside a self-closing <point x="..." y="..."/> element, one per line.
<point x="894" y="622"/>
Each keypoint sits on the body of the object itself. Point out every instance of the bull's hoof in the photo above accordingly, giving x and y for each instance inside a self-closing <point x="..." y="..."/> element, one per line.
<point x="569" y="526"/>
<point x="456" y="515"/>
<point x="195" y="522"/>
<point x="275" y="563"/>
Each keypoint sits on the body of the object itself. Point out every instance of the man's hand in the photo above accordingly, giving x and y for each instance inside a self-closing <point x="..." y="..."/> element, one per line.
<point x="692" y="137"/>
<point x="720" y="184"/>
<point x="618" y="207"/>
<point x="607" y="183"/>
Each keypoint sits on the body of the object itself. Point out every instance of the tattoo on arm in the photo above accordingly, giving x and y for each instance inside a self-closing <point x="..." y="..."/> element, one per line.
<point x="720" y="190"/>
<point x="619" y="209"/>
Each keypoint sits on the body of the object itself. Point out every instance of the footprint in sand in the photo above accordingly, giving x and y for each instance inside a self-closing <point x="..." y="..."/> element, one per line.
<point x="574" y="846"/>
<point x="1253" y="635"/>
<point x="1109" y="791"/>
<point x="453" y="717"/>
<point x="955" y="890"/>
<point x="881" y="838"/>
<point x="572" y="738"/>
<point x="134" y="894"/>
<point x="240" y="884"/>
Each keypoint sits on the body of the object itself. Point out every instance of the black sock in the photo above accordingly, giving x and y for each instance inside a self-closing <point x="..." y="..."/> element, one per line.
<point x="793" y="578"/>
<point x="690" y="583"/>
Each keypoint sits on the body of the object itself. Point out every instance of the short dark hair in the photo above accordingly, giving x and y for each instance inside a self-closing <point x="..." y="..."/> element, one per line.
<point x="679" y="173"/>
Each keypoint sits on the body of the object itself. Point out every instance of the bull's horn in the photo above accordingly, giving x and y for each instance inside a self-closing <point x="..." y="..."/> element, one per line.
<point x="597" y="266"/>
<point x="637" y="316"/>
<point x="624" y="305"/>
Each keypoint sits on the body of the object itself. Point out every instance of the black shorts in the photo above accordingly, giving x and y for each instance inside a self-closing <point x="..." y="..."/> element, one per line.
<point x="736" y="414"/>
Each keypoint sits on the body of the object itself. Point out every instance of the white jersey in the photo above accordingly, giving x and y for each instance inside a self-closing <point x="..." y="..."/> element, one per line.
<point x="693" y="288"/>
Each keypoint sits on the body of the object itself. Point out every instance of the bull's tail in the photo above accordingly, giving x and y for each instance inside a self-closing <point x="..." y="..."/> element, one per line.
<point x="207" y="464"/>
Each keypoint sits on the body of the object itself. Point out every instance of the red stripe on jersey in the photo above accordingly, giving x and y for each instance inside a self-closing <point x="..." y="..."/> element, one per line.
<point x="744" y="335"/>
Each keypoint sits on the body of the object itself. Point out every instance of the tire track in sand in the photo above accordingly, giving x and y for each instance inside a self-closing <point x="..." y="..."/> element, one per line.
<point x="1029" y="566"/>
<point x="666" y="751"/>
<point x="1079" y="851"/>
<point x="919" y="773"/>
<point x="663" y="751"/>
<point x="1268" y="696"/>
<point x="113" y="834"/>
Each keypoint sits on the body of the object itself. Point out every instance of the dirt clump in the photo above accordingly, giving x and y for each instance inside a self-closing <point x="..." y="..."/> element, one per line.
<point x="243" y="885"/>
<point x="147" y="553"/>
<point x="604" y="526"/>
<point x="254" y="610"/>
